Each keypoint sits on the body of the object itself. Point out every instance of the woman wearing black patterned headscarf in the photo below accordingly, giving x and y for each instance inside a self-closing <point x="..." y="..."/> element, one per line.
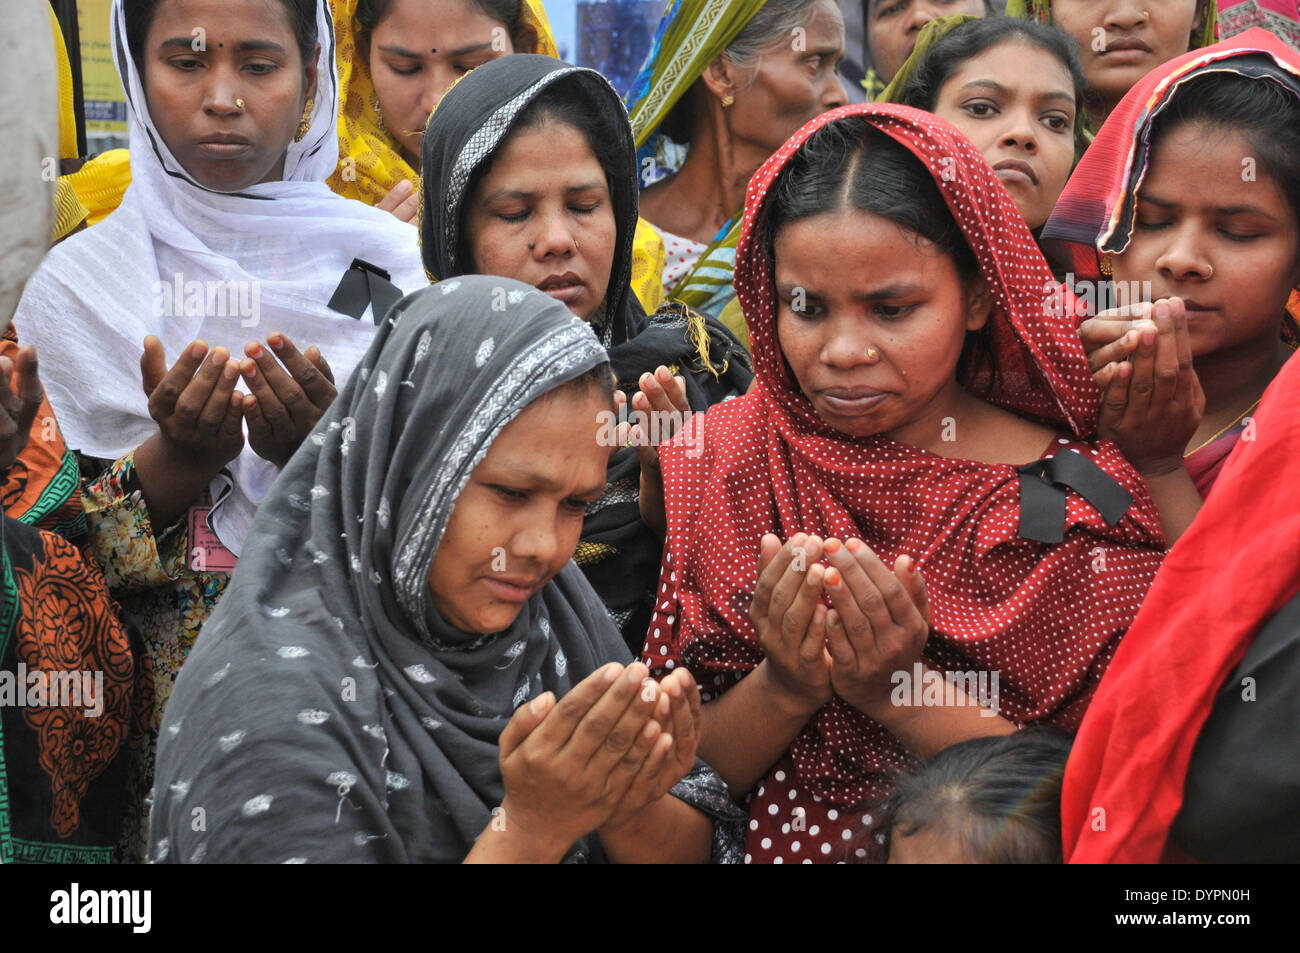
<point x="492" y="207"/>
<point x="407" y="665"/>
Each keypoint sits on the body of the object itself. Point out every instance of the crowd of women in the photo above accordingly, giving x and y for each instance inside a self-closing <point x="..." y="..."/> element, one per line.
<point x="415" y="451"/>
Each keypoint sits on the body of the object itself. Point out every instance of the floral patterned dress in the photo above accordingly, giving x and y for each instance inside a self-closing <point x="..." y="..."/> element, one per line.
<point x="148" y="574"/>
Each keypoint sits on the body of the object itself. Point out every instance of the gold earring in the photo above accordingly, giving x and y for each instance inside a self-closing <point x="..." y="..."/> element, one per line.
<point x="379" y="113"/>
<point x="305" y="123"/>
<point x="1105" y="265"/>
<point x="728" y="101"/>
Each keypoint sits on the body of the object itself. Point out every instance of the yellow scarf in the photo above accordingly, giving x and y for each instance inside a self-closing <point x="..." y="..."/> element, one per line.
<point x="370" y="164"/>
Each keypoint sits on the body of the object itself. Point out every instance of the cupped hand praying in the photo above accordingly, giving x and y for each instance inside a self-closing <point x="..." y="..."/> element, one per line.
<point x="286" y="397"/>
<point x="661" y="402"/>
<point x="194" y="402"/>
<point x="616" y="742"/>
<point x="20" y="399"/>
<point x="1152" y="406"/>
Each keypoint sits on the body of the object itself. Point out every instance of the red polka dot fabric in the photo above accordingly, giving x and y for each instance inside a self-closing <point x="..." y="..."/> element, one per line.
<point x="682" y="254"/>
<point x="1047" y="618"/>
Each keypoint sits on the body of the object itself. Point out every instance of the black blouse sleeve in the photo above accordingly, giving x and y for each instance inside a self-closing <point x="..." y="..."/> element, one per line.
<point x="1242" y="794"/>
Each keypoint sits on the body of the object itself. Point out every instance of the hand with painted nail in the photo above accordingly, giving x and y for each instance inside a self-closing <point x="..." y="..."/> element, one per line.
<point x="878" y="624"/>
<point x="286" y="396"/>
<point x="195" y="404"/>
<point x="1153" y="406"/>
<point x="403" y="201"/>
<point x="660" y="410"/>
<point x="20" y="399"/>
<point x="569" y="764"/>
<point x="790" y="619"/>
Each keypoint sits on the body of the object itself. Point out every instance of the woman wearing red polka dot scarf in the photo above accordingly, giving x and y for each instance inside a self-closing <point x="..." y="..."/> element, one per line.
<point x="902" y="537"/>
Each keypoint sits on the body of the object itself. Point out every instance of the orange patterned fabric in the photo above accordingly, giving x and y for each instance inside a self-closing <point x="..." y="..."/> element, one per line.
<point x="41" y="488"/>
<point x="75" y="693"/>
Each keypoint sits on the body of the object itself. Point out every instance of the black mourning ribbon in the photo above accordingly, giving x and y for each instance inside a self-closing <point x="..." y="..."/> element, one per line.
<point x="365" y="284"/>
<point x="1042" y="494"/>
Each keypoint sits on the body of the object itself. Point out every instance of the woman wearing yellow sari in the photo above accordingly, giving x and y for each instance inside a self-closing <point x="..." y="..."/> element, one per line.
<point x="396" y="60"/>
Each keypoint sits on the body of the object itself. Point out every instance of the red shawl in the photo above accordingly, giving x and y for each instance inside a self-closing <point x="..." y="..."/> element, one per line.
<point x="1095" y="212"/>
<point x="1235" y="567"/>
<point x="1046" y="617"/>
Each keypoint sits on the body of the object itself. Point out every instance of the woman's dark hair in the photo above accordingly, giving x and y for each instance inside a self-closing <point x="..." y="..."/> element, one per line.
<point x="1261" y="109"/>
<point x="140" y="13"/>
<point x="566" y="101"/>
<point x="974" y="37"/>
<point x="849" y="164"/>
<point x="370" y="13"/>
<point x="1000" y="797"/>
<point x="770" y="25"/>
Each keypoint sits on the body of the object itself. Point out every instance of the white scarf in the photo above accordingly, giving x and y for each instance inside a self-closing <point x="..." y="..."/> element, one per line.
<point x="273" y="253"/>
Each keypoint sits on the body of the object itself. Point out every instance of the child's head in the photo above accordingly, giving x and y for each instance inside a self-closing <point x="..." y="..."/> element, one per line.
<point x="1217" y="219"/>
<point x="1015" y="89"/>
<point x="877" y="290"/>
<point x="993" y="800"/>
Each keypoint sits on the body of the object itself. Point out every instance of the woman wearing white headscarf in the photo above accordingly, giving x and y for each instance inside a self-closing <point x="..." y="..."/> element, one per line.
<point x="227" y="232"/>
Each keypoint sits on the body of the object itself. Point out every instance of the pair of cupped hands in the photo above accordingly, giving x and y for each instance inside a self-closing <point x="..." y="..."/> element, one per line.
<point x="194" y="402"/>
<point x="592" y="760"/>
<point x="1151" y="399"/>
<point x="200" y="414"/>
<point x="877" y="624"/>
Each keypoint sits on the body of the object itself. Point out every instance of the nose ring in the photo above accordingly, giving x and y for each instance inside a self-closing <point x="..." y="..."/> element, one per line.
<point x="1209" y="273"/>
<point x="873" y="354"/>
<point x="532" y="245"/>
<point x="239" y="103"/>
<point x="575" y="244"/>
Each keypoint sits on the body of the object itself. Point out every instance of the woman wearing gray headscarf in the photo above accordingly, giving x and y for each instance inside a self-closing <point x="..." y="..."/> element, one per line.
<point x="407" y="665"/>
